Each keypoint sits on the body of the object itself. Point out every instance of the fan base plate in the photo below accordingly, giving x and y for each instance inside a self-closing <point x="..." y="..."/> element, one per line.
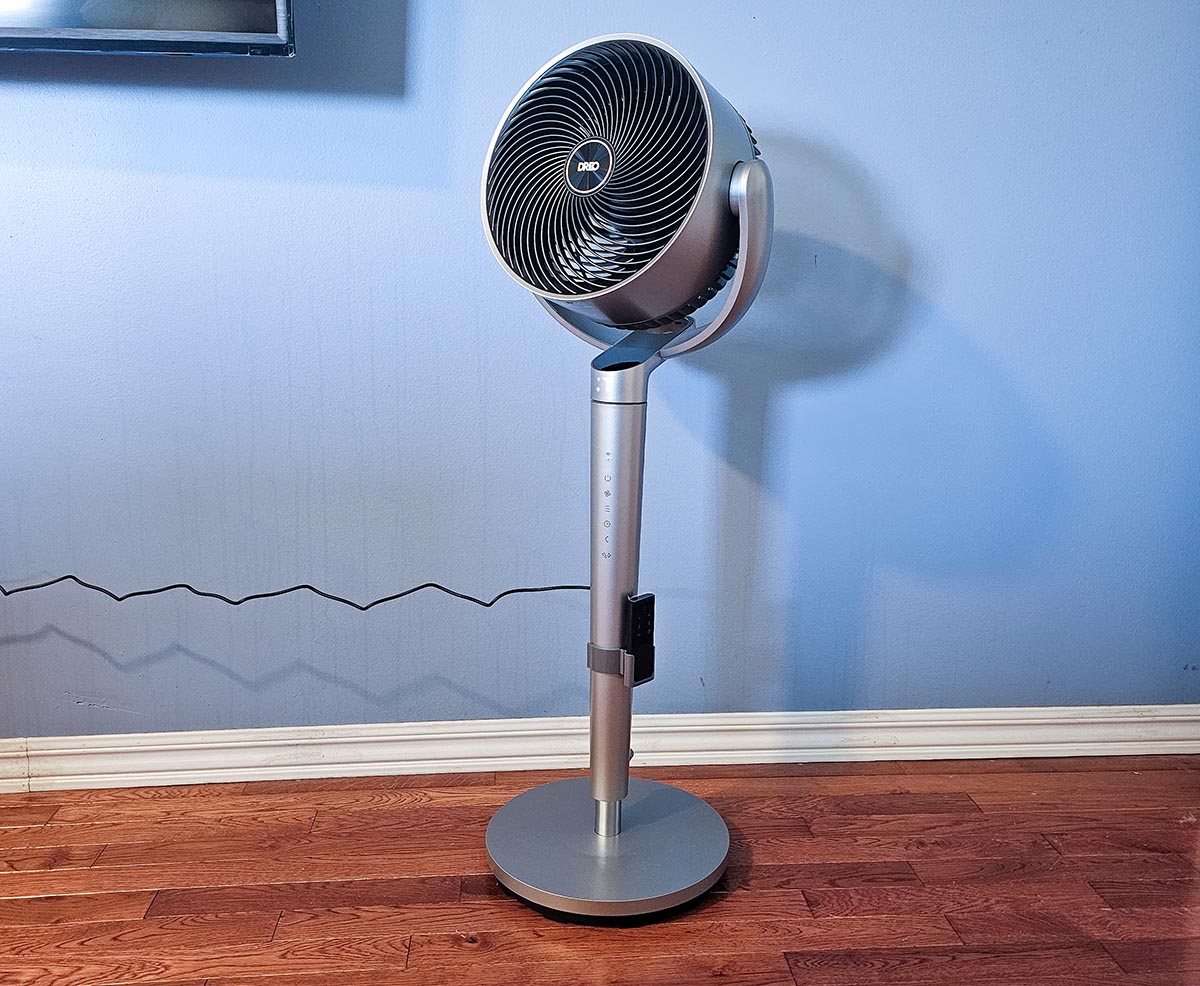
<point x="672" y="847"/>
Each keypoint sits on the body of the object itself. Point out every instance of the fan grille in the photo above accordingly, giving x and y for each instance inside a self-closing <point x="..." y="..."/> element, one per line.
<point x="569" y="240"/>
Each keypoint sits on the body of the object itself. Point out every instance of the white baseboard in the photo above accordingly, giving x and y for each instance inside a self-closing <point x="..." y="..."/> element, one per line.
<point x="136" y="759"/>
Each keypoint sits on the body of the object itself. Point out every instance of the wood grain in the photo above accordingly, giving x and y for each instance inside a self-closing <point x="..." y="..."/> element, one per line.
<point x="1002" y="871"/>
<point x="750" y="969"/>
<point x="195" y="933"/>
<point x="841" y="806"/>
<point x="811" y="876"/>
<point x="751" y="909"/>
<point x="48" y="858"/>
<point x="1043" y="765"/>
<point x="101" y="831"/>
<point x="81" y="907"/>
<point x="276" y="897"/>
<point x="1032" y="924"/>
<point x="1085" y="821"/>
<point x="1149" y="893"/>
<point x="329" y="957"/>
<point x="1018" y="873"/>
<point x="1135" y="840"/>
<point x="952" y="899"/>
<point x="1045" y="965"/>
<point x="392" y="782"/>
<point x="447" y="952"/>
<point x="1178" y="959"/>
<point x="421" y="849"/>
<point x="14" y="815"/>
<point x="863" y="848"/>
<point x="238" y="871"/>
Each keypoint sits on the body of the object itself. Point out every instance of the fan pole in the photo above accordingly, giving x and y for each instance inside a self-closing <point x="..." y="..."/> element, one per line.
<point x="640" y="846"/>
<point x="620" y="378"/>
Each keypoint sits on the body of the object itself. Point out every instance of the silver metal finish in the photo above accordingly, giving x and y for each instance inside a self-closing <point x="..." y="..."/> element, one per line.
<point x="620" y="379"/>
<point x="752" y="200"/>
<point x="608" y="818"/>
<point x="624" y="192"/>
<point x="672" y="848"/>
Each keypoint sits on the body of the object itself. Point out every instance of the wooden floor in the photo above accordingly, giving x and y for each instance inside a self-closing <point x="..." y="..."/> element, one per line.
<point x="981" y="873"/>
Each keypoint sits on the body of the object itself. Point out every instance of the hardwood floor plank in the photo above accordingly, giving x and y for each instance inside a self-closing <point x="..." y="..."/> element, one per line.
<point x="1181" y="800"/>
<point x="1149" y="893"/>
<point x="48" y="858"/>
<point x="1125" y="842"/>
<point x="199" y="809"/>
<point x="1165" y="957"/>
<point x="195" y="933"/>
<point x="872" y="849"/>
<point x="1031" y="925"/>
<point x="23" y="815"/>
<point x="523" y="780"/>
<point x="388" y="782"/>
<point x="841" y="806"/>
<point x="240" y="871"/>
<point x="861" y="902"/>
<point x="1010" y="870"/>
<point x="446" y="953"/>
<point x="288" y="896"/>
<point x="81" y="907"/>
<point x="478" y="916"/>
<point x="169" y="791"/>
<point x="1050" y="791"/>
<point x="1008" y="822"/>
<point x="1046" y="965"/>
<point x="163" y="982"/>
<point x="1044" y="765"/>
<point x="328" y="847"/>
<point x="373" y="977"/>
<point x="811" y="876"/>
<point x="329" y="957"/>
<point x="181" y="829"/>
<point x="754" y="969"/>
<point x="823" y="769"/>
<point x="76" y="796"/>
<point x="19" y="799"/>
<point x="455" y="825"/>
<point x="218" y="810"/>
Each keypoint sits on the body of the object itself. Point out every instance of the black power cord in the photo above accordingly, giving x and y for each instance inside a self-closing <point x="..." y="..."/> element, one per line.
<point x="361" y="607"/>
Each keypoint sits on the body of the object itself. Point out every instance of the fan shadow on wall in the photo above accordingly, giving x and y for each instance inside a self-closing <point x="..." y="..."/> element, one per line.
<point x="864" y="433"/>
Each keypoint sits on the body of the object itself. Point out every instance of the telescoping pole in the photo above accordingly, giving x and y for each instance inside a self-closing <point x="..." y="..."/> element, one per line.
<point x="619" y="388"/>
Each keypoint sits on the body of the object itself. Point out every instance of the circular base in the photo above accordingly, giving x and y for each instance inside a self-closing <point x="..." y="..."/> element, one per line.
<point x="672" y="847"/>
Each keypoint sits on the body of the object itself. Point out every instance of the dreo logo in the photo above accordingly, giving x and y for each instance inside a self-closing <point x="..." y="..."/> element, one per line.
<point x="588" y="166"/>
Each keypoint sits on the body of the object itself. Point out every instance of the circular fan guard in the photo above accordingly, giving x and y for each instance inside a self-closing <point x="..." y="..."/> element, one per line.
<point x="642" y="103"/>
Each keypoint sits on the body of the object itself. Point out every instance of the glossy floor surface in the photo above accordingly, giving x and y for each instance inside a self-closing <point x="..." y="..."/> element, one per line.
<point x="1021" y="873"/>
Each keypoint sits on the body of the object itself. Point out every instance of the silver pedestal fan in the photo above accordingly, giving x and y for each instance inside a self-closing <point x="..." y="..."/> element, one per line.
<point x="625" y="193"/>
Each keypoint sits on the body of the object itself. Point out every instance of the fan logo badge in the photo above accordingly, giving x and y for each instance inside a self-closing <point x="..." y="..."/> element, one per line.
<point x="589" y="166"/>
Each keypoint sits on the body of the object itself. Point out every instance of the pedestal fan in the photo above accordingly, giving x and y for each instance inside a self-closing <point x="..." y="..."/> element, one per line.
<point x="625" y="193"/>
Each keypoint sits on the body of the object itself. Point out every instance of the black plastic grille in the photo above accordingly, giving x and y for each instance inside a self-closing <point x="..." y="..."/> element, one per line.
<point x="643" y="104"/>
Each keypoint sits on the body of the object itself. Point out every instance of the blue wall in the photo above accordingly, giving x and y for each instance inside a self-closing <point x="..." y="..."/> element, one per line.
<point x="253" y="336"/>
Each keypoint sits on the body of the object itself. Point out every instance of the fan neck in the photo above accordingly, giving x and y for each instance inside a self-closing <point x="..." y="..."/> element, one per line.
<point x="621" y="374"/>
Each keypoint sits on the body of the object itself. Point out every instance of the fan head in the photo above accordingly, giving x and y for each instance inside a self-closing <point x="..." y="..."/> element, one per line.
<point x="606" y="186"/>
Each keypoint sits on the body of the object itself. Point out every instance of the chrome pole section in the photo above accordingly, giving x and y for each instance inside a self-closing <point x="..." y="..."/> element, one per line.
<point x="620" y="376"/>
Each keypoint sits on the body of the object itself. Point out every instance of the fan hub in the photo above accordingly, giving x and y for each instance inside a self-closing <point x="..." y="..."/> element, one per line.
<point x="589" y="166"/>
